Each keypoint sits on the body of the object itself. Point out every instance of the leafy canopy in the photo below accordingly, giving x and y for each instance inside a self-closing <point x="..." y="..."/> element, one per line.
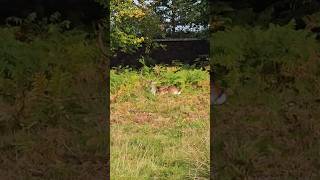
<point x="131" y="24"/>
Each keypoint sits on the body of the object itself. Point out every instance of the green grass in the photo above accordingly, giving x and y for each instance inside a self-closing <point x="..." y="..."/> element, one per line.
<point x="161" y="137"/>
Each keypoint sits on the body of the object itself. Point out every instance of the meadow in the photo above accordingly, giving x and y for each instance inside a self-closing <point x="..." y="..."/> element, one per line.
<point x="160" y="137"/>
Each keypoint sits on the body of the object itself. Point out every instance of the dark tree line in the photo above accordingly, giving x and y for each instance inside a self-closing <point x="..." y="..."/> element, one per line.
<point x="77" y="11"/>
<point x="261" y="13"/>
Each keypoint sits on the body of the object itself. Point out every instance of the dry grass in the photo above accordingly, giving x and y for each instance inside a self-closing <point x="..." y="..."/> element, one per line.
<point x="269" y="135"/>
<point x="161" y="137"/>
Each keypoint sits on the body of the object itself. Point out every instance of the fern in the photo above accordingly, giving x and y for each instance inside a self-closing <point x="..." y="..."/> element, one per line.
<point x="243" y="54"/>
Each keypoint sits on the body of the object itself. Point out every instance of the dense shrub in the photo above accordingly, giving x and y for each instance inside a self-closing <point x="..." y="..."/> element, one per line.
<point x="52" y="102"/>
<point x="268" y="128"/>
<point x="42" y="80"/>
<point x="273" y="57"/>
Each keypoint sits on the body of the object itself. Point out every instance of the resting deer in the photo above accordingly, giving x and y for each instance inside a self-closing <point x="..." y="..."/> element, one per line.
<point x="164" y="89"/>
<point x="218" y="95"/>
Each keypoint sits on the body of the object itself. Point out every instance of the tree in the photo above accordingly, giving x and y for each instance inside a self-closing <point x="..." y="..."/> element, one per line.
<point x="131" y="24"/>
<point x="258" y="13"/>
<point x="182" y="15"/>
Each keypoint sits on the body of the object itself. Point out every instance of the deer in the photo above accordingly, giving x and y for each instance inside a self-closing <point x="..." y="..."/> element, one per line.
<point x="160" y="90"/>
<point x="218" y="95"/>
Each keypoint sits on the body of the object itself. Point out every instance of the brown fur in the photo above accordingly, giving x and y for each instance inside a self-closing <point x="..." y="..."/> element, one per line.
<point x="166" y="89"/>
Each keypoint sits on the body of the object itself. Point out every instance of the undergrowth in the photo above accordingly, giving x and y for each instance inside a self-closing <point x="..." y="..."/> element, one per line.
<point x="269" y="127"/>
<point x="184" y="77"/>
<point x="52" y="106"/>
<point x="274" y="58"/>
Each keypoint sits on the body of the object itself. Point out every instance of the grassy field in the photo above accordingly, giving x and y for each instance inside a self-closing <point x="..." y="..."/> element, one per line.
<point x="159" y="137"/>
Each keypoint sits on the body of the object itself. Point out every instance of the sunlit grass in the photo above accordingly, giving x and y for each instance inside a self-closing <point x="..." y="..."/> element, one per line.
<point x="161" y="137"/>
